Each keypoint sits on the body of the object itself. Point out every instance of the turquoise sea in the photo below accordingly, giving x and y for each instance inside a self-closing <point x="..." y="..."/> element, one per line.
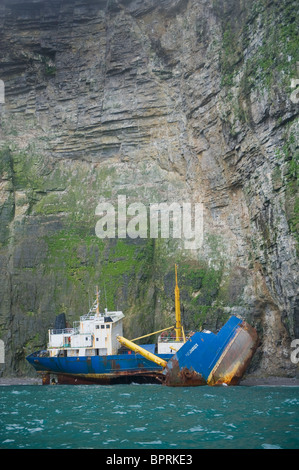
<point x="148" y="417"/>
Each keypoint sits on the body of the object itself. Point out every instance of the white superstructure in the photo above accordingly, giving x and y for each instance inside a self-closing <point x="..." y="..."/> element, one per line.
<point x="169" y="346"/>
<point x="94" y="335"/>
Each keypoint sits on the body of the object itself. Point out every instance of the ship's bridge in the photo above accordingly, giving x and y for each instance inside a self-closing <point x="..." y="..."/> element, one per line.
<point x="95" y="334"/>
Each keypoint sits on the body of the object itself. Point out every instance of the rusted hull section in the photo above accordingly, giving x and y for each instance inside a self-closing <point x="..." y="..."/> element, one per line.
<point x="208" y="359"/>
<point x="105" y="370"/>
<point x="236" y="357"/>
<point x="176" y="377"/>
<point x="49" y="378"/>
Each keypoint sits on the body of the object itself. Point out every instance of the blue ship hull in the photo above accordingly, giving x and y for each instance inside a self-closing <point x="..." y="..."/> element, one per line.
<point x="114" y="369"/>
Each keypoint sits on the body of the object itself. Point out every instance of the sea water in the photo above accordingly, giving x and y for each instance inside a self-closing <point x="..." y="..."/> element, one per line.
<point x="148" y="417"/>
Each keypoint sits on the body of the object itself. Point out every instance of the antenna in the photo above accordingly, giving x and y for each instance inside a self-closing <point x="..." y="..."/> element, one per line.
<point x="105" y="293"/>
<point x="98" y="308"/>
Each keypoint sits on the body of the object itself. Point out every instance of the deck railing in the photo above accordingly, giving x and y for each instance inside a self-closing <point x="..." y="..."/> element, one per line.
<point x="172" y="339"/>
<point x="65" y="331"/>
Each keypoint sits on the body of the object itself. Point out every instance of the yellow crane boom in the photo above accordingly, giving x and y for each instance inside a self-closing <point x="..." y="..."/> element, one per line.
<point x="134" y="347"/>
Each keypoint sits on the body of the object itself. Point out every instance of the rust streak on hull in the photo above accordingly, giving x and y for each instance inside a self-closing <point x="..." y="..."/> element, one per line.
<point x="236" y="357"/>
<point x="141" y="377"/>
<point x="229" y="368"/>
<point x="176" y="377"/>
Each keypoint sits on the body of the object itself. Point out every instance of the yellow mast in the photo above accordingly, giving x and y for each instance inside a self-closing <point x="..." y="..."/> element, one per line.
<point x="179" y="331"/>
<point x="178" y="324"/>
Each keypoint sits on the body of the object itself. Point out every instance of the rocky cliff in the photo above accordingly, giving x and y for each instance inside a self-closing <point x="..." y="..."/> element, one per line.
<point x="160" y="101"/>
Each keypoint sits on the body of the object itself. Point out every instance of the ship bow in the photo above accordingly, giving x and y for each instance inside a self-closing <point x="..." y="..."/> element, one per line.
<point x="236" y="357"/>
